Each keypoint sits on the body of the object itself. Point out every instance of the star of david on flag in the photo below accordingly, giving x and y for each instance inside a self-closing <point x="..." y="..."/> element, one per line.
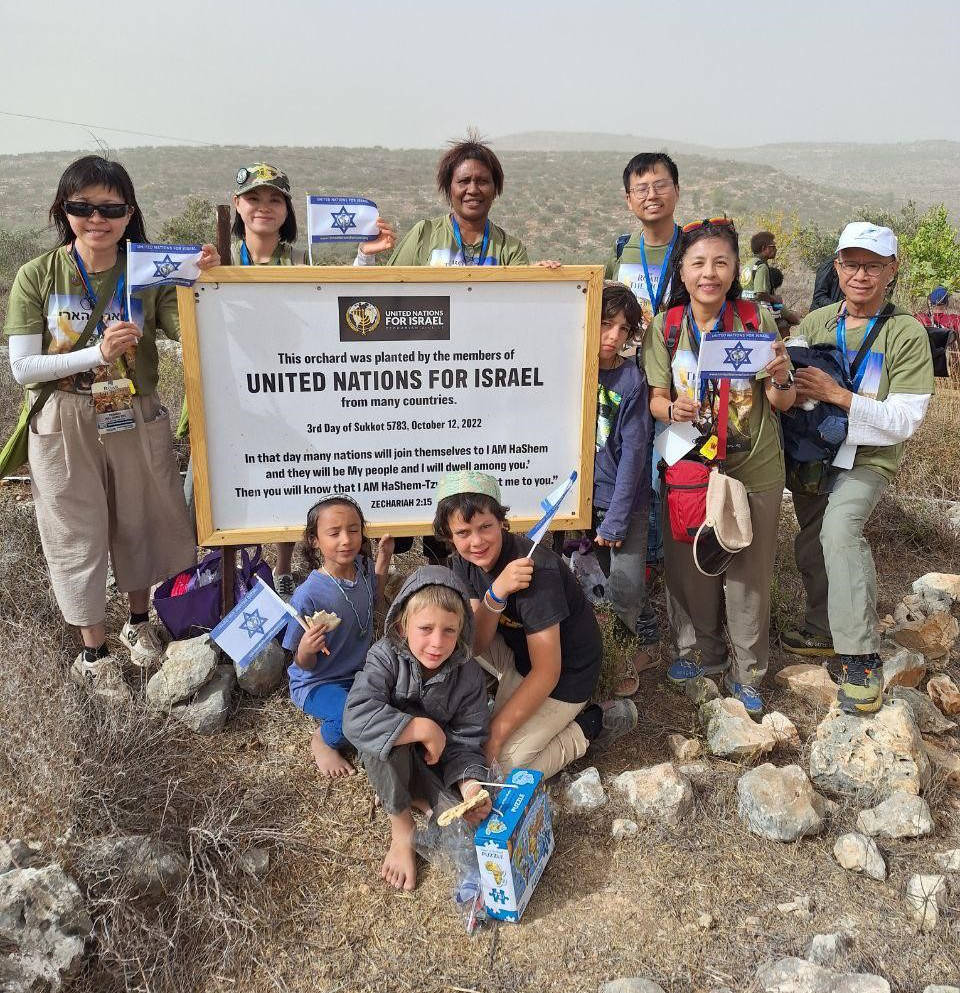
<point x="161" y="265"/>
<point x="734" y="355"/>
<point x="257" y="618"/>
<point x="337" y="219"/>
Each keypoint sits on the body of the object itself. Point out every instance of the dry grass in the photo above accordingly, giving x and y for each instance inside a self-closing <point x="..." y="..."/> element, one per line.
<point x="321" y="920"/>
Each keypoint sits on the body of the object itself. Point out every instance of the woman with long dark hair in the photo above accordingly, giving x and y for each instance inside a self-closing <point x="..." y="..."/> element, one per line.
<point x="100" y="494"/>
<point x="705" y="292"/>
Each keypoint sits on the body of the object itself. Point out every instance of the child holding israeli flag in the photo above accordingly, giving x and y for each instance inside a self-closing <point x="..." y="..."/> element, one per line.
<point x="533" y="629"/>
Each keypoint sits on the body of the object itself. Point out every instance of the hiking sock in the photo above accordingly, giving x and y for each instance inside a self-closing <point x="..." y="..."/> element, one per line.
<point x="139" y="618"/>
<point x="90" y="655"/>
<point x="590" y="720"/>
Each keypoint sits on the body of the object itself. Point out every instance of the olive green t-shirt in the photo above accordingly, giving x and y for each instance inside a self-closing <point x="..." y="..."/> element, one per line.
<point x="754" y="445"/>
<point x="431" y="242"/>
<point x="48" y="297"/>
<point x="899" y="362"/>
<point x="628" y="269"/>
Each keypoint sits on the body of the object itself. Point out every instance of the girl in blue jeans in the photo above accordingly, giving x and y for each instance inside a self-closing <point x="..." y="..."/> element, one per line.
<point x="345" y="581"/>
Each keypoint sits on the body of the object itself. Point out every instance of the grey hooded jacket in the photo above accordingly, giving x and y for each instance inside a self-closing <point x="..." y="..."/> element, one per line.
<point x="391" y="690"/>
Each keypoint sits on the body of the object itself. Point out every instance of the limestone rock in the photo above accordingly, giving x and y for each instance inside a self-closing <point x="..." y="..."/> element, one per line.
<point x="943" y="691"/>
<point x="924" y="624"/>
<point x="858" y="853"/>
<point x="906" y="668"/>
<point x="944" y="762"/>
<point x="902" y="815"/>
<point x="926" y="897"/>
<point x="264" y="673"/>
<point x="940" y="583"/>
<point x="632" y="986"/>
<point x="17" y="854"/>
<point x="801" y="906"/>
<point x="779" y="804"/>
<point x="811" y="682"/>
<point x="948" y="861"/>
<point x="659" y="793"/>
<point x="701" y="690"/>
<point x="731" y="732"/>
<point x="622" y="828"/>
<point x="941" y="989"/>
<point x="826" y="949"/>
<point x="784" y="730"/>
<point x="207" y="712"/>
<point x="150" y="868"/>
<point x="793" y="975"/>
<point x="255" y="862"/>
<point x="43" y="927"/>
<point x="878" y="754"/>
<point x="186" y="667"/>
<point x="699" y="773"/>
<point x="585" y="792"/>
<point x="684" y="749"/>
<point x="928" y="718"/>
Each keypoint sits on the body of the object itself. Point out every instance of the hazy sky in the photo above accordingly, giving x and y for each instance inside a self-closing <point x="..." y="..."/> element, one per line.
<point x="365" y="72"/>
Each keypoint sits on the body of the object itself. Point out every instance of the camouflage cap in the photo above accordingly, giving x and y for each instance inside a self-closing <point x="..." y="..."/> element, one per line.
<point x="260" y="174"/>
<point x="467" y="481"/>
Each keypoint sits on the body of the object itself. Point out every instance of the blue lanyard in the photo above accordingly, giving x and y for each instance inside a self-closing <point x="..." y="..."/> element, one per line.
<point x="695" y="331"/>
<point x="245" y="254"/>
<point x="657" y="298"/>
<point x="459" y="239"/>
<point x="84" y="276"/>
<point x="842" y="345"/>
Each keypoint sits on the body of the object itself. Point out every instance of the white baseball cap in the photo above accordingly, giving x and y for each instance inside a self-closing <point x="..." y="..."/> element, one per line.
<point x="863" y="234"/>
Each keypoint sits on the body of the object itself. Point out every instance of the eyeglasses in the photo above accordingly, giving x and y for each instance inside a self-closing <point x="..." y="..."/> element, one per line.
<point x="645" y="189"/>
<point x="870" y="268"/>
<point x="110" y="211"/>
<point x="693" y="225"/>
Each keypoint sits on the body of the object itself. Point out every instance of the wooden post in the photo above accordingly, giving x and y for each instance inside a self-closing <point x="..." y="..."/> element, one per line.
<point x="228" y="554"/>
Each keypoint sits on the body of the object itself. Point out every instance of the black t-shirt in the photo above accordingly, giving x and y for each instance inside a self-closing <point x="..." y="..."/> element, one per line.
<point x="554" y="597"/>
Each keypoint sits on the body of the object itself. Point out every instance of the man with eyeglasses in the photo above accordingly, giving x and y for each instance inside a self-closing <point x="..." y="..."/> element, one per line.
<point x="893" y="385"/>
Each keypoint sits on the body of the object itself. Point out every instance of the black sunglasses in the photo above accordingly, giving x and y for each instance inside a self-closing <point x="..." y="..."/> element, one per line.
<point x="80" y="208"/>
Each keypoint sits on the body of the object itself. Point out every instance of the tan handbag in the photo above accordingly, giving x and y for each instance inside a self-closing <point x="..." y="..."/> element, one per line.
<point x="727" y="528"/>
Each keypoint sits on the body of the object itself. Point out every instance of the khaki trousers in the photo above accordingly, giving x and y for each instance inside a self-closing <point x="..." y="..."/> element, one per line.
<point x="695" y="602"/>
<point x="120" y="497"/>
<point x="550" y="739"/>
<point x="841" y="585"/>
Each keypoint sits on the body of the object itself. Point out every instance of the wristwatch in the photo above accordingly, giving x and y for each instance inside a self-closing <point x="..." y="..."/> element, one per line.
<point x="786" y="385"/>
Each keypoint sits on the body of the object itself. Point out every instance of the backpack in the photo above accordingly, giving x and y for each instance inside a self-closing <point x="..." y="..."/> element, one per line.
<point x="816" y="435"/>
<point x="747" y="275"/>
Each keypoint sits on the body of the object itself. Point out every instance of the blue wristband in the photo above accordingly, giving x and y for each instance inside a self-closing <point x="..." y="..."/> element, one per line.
<point x="493" y="596"/>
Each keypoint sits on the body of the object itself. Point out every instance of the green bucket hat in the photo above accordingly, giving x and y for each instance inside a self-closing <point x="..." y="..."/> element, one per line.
<point x="261" y="174"/>
<point x="467" y="481"/>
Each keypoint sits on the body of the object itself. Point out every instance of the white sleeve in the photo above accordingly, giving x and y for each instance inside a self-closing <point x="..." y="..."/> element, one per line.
<point x="886" y="422"/>
<point x="362" y="259"/>
<point x="30" y="365"/>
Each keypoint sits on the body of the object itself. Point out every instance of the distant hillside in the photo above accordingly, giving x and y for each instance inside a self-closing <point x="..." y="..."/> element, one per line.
<point x="925" y="171"/>
<point x="566" y="205"/>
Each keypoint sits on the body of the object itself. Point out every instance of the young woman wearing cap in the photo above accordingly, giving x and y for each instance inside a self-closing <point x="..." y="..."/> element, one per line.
<point x="705" y="284"/>
<point x="265" y="231"/>
<point x="100" y="494"/>
<point x="894" y="385"/>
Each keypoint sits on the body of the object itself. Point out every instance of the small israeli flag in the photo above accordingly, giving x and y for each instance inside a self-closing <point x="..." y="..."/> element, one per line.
<point x="734" y="356"/>
<point x="245" y="631"/>
<point x="161" y="265"/>
<point x="331" y="219"/>
<point x="550" y="504"/>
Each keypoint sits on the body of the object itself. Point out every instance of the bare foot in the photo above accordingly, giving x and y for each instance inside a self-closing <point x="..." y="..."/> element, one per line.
<point x="329" y="761"/>
<point x="400" y="865"/>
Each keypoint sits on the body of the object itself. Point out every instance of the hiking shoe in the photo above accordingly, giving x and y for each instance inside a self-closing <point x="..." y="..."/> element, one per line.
<point x="747" y="695"/>
<point x="102" y="678"/>
<point x="681" y="671"/>
<point x="803" y="642"/>
<point x="145" y="647"/>
<point x="861" y="687"/>
<point x="284" y="585"/>
<point x="619" y="718"/>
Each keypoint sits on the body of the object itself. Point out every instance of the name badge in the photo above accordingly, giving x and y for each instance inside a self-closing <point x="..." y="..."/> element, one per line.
<point x="113" y="402"/>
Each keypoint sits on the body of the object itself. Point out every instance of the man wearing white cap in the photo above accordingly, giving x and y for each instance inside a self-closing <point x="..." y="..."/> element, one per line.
<point x="893" y="385"/>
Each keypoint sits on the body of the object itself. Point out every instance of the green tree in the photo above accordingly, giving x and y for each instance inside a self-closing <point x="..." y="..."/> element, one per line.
<point x="931" y="256"/>
<point x="196" y="225"/>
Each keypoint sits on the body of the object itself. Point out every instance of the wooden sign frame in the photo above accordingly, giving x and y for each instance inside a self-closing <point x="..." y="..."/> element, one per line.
<point x="591" y="278"/>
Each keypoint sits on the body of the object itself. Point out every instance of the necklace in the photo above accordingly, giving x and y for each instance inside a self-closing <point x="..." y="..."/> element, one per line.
<point x="360" y="575"/>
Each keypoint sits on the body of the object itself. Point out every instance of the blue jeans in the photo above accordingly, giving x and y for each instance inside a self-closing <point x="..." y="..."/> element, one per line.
<point x="325" y="703"/>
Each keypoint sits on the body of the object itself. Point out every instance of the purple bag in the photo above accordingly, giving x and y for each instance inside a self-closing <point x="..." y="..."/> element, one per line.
<point x="197" y="610"/>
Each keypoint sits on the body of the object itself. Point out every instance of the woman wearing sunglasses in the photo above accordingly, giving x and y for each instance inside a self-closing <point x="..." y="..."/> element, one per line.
<point x="705" y="299"/>
<point x="105" y="482"/>
<point x="894" y="382"/>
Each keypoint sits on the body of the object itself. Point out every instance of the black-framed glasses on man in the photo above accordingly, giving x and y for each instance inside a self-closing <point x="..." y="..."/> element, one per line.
<point x="645" y="189"/>
<point x="870" y="268"/>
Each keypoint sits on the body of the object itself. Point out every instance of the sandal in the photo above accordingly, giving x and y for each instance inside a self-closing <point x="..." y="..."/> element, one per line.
<point x="629" y="681"/>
